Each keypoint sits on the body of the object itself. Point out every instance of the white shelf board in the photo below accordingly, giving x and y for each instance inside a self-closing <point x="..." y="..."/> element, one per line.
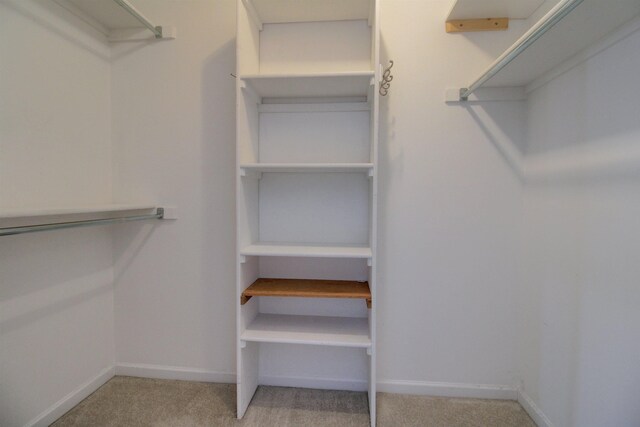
<point x="307" y="250"/>
<point x="106" y="12"/>
<point x="17" y="213"/>
<point x="313" y="330"/>
<point x="307" y="167"/>
<point x="281" y="11"/>
<point x="477" y="9"/>
<point x="584" y="26"/>
<point x="344" y="84"/>
<point x="321" y="107"/>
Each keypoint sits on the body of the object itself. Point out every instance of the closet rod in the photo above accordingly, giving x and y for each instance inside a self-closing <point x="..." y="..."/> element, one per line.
<point x="554" y="16"/>
<point x="157" y="30"/>
<point x="8" y="231"/>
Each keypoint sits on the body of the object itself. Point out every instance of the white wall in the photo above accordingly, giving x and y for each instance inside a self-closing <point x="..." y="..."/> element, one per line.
<point x="449" y="209"/>
<point x="174" y="142"/>
<point x="579" y="324"/>
<point x="56" y="296"/>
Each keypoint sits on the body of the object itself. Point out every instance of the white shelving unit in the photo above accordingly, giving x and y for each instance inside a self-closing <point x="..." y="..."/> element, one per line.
<point x="307" y="136"/>
<point x="564" y="33"/>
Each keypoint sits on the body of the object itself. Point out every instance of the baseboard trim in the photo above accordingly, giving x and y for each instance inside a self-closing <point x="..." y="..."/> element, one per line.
<point x="312" y="382"/>
<point x="62" y="406"/>
<point x="533" y="410"/>
<point x="440" y="389"/>
<point x="173" y="373"/>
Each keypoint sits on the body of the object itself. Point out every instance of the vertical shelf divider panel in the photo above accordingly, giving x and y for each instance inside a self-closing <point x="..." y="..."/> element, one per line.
<point x="306" y="168"/>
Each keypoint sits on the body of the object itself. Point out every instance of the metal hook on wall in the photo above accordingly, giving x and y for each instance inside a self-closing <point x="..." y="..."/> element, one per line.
<point x="385" y="84"/>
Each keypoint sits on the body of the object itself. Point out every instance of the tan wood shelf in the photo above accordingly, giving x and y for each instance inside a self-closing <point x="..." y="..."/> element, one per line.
<point x="305" y="288"/>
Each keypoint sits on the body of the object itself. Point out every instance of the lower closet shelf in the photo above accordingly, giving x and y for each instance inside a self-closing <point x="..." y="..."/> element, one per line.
<point x="314" y="330"/>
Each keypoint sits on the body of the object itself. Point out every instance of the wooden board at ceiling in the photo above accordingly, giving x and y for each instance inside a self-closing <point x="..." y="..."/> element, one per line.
<point x="484" y="24"/>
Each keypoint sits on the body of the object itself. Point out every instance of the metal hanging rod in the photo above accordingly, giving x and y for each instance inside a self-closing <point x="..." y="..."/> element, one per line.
<point x="156" y="30"/>
<point x="8" y="231"/>
<point x="554" y="16"/>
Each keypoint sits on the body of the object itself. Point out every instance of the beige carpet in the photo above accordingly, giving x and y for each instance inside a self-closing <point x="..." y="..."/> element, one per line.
<point x="126" y="401"/>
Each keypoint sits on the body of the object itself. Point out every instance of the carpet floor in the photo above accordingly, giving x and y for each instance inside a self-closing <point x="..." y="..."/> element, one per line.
<point x="127" y="401"/>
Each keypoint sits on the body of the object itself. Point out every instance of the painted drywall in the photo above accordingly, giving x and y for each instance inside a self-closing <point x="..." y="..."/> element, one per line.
<point x="56" y="296"/>
<point x="173" y="106"/>
<point x="449" y="211"/>
<point x="579" y="324"/>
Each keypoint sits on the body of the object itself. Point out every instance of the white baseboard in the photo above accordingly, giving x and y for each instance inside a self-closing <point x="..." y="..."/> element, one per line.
<point x="533" y="410"/>
<point x="311" y="382"/>
<point x="173" y="373"/>
<point x="58" y="409"/>
<point x="438" y="389"/>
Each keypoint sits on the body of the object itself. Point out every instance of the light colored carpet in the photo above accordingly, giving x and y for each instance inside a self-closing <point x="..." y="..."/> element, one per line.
<point x="127" y="401"/>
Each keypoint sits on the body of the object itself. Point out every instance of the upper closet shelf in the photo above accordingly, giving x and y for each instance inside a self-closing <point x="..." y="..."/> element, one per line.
<point x="119" y="20"/>
<point x="307" y="167"/>
<point x="477" y="9"/>
<point x="566" y="30"/>
<point x="345" y="84"/>
<point x="282" y="11"/>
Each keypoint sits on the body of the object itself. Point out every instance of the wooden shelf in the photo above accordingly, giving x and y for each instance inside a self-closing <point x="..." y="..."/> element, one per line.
<point x="306" y="250"/>
<point x="313" y="330"/>
<point x="305" y="288"/>
<point x="282" y="11"/>
<point x="307" y="167"/>
<point x="343" y="84"/>
<point x="589" y="22"/>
